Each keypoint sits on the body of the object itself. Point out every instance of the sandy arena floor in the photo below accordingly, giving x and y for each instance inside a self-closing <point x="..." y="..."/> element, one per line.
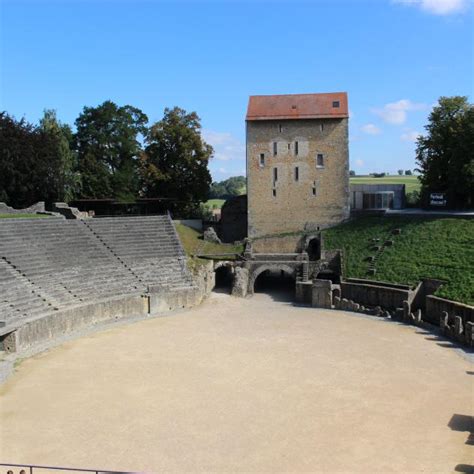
<point x="243" y="386"/>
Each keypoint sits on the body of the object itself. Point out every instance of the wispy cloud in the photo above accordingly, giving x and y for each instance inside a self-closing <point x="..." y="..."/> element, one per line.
<point x="371" y="129"/>
<point x="395" y="113"/>
<point x="359" y="162"/>
<point x="437" y="7"/>
<point x="226" y="146"/>
<point x="409" y="136"/>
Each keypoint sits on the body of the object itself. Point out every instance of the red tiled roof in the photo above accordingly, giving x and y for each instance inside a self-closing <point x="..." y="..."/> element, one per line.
<point x="297" y="106"/>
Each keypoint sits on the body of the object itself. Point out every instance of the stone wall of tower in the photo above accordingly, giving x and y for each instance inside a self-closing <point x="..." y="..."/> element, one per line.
<point x="313" y="197"/>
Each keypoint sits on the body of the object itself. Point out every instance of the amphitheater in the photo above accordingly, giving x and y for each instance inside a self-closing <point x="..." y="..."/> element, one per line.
<point x="127" y="361"/>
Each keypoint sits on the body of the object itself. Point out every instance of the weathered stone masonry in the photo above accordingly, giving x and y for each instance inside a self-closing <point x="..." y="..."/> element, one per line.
<point x="297" y="167"/>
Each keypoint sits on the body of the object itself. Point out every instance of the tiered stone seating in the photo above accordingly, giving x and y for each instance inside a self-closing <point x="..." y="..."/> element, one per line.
<point x="18" y="297"/>
<point x="52" y="264"/>
<point x="148" y="246"/>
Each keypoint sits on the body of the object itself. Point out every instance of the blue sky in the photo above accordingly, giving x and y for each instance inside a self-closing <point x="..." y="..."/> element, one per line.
<point x="393" y="57"/>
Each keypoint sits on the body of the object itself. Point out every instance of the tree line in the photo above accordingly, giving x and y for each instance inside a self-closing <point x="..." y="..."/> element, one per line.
<point x="234" y="186"/>
<point x="113" y="153"/>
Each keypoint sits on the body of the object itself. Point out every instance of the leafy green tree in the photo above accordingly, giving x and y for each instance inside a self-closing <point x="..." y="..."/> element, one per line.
<point x="108" y="149"/>
<point x="66" y="180"/>
<point x="400" y="172"/>
<point x="175" y="162"/>
<point x="31" y="164"/>
<point x="408" y="173"/>
<point x="352" y="173"/>
<point x="445" y="155"/>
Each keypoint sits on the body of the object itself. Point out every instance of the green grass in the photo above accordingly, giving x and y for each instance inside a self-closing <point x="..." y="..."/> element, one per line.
<point x="29" y="216"/>
<point x="440" y="248"/>
<point x="214" y="203"/>
<point x="194" y="244"/>
<point x="411" y="182"/>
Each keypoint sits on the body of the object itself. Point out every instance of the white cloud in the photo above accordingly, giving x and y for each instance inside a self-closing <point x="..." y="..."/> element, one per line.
<point x="226" y="146"/>
<point x="396" y="112"/>
<point x="371" y="129"/>
<point x="359" y="162"/>
<point x="438" y="7"/>
<point x="222" y="170"/>
<point x="409" y="136"/>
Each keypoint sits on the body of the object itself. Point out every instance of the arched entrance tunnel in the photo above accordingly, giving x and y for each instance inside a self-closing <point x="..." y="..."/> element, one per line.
<point x="278" y="282"/>
<point x="224" y="278"/>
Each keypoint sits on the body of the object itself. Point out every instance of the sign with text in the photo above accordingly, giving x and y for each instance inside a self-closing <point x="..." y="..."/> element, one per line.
<point x="437" y="199"/>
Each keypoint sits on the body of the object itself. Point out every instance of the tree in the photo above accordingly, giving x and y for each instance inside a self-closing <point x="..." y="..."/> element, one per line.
<point x="31" y="163"/>
<point x="175" y="162"/>
<point x="445" y="155"/>
<point x="408" y="173"/>
<point x="66" y="180"/>
<point x="352" y="173"/>
<point x="400" y="172"/>
<point x="108" y="149"/>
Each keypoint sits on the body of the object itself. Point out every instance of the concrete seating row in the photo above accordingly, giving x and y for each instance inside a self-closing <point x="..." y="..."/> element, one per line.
<point x="52" y="264"/>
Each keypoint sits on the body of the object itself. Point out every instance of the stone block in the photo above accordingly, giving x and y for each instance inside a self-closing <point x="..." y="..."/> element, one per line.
<point x="458" y="328"/>
<point x="337" y="302"/>
<point x="321" y="294"/>
<point x="469" y="334"/>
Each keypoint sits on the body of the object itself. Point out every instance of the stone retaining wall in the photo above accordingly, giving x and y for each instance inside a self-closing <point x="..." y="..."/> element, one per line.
<point x="389" y="297"/>
<point x="436" y="306"/>
<point x="38" y="332"/>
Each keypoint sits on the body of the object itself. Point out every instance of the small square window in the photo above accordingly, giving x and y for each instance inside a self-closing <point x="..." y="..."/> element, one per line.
<point x="275" y="149"/>
<point x="275" y="175"/>
<point x="296" y="148"/>
<point x="297" y="174"/>
<point x="262" y="159"/>
<point x="274" y="192"/>
<point x="336" y="104"/>
<point x="320" y="160"/>
<point x="314" y="188"/>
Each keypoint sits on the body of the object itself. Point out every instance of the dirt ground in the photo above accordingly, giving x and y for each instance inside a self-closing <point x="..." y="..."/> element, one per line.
<point x="236" y="385"/>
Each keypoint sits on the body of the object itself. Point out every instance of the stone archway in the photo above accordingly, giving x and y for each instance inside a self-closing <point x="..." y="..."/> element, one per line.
<point x="224" y="273"/>
<point x="269" y="267"/>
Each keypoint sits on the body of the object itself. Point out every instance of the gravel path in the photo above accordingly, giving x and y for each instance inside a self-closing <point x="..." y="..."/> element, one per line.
<point x="237" y="385"/>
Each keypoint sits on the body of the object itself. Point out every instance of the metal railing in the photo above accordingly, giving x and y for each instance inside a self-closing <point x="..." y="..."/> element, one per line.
<point x="30" y="469"/>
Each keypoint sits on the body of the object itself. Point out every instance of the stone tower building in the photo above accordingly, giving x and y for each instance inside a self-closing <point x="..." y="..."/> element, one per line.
<point x="297" y="162"/>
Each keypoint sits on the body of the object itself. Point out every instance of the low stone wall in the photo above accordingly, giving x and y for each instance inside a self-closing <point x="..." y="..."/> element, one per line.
<point x="374" y="294"/>
<point x="193" y="223"/>
<point x="40" y="331"/>
<point x="69" y="212"/>
<point x="435" y="307"/>
<point x="64" y="322"/>
<point x="35" y="208"/>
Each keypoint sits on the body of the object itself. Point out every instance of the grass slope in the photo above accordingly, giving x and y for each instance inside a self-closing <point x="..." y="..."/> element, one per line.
<point x="215" y="203"/>
<point x="194" y="244"/>
<point x="411" y="182"/>
<point x="439" y="248"/>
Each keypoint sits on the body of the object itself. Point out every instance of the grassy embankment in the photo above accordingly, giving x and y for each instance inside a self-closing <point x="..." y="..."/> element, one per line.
<point x="29" y="216"/>
<point x="194" y="244"/>
<point x="439" y="248"/>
